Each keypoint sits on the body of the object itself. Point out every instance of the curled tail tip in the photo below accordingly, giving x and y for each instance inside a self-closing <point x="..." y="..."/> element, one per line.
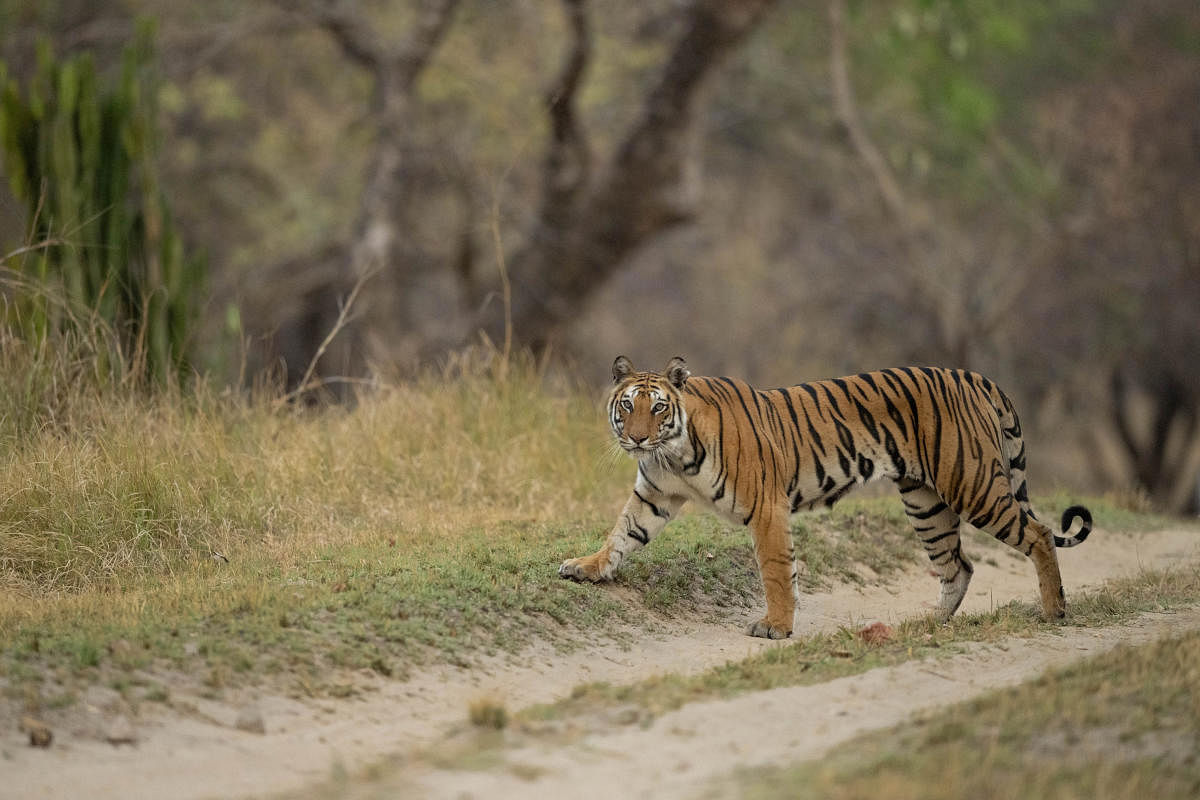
<point x="1068" y="518"/>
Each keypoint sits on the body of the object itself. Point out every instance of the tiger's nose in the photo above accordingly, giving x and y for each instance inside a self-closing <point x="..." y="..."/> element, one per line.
<point x="638" y="439"/>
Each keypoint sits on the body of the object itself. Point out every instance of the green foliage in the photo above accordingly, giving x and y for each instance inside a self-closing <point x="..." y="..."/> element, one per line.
<point x="964" y="69"/>
<point x="82" y="157"/>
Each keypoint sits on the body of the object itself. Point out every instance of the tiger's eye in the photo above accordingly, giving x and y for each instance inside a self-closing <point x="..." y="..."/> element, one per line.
<point x="658" y="408"/>
<point x="625" y="404"/>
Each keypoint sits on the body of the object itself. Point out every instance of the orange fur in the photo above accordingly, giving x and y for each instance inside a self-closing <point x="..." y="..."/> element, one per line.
<point x="950" y="439"/>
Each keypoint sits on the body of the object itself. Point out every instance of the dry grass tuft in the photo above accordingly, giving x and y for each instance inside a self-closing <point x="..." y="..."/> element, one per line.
<point x="488" y="712"/>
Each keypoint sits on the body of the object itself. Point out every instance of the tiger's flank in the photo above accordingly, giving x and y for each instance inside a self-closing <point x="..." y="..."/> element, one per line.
<point x="949" y="438"/>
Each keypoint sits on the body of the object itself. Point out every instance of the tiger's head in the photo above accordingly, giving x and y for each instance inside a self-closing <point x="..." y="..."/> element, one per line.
<point x="645" y="409"/>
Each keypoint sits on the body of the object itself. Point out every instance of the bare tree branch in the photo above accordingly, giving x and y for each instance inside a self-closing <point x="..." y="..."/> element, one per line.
<point x="463" y="262"/>
<point x="202" y="45"/>
<point x="353" y="34"/>
<point x="650" y="185"/>
<point x="378" y="242"/>
<point x="1156" y="465"/>
<point x="567" y="167"/>
<point x="433" y="20"/>
<point x="846" y="109"/>
<point x="396" y="64"/>
<point x="307" y="381"/>
<point x="1119" y="407"/>
<point x="650" y="164"/>
<point x="356" y="38"/>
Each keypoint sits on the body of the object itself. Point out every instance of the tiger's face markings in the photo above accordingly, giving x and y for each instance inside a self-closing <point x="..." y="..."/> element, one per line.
<point x="642" y="417"/>
<point x="645" y="409"/>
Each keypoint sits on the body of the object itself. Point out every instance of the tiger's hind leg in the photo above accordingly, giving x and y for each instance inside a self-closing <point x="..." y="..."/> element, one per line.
<point x="1008" y="521"/>
<point x="1010" y="518"/>
<point x="937" y="526"/>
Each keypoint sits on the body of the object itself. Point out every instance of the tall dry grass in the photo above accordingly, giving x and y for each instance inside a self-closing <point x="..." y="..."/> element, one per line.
<point x="104" y="480"/>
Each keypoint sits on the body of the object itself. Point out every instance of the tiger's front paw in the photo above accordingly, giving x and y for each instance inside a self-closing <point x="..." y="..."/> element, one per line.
<point x="766" y="630"/>
<point x="588" y="568"/>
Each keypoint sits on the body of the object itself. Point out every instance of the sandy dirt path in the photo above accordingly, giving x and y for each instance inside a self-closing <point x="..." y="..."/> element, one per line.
<point x="194" y="750"/>
<point x="698" y="750"/>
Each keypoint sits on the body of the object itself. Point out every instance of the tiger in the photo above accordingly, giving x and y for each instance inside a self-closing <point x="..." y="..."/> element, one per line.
<point x="949" y="438"/>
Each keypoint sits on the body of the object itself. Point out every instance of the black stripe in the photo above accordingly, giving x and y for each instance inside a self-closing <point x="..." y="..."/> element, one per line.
<point x="889" y="445"/>
<point x="699" y="453"/>
<point x="981" y="520"/>
<point x="868" y="420"/>
<point x="869" y="380"/>
<point x="749" y="417"/>
<point x="933" y="455"/>
<point x="646" y="478"/>
<point x="936" y="539"/>
<point x="839" y="494"/>
<point x="812" y="392"/>
<point x="819" y="467"/>
<point x="845" y="436"/>
<point x="912" y="401"/>
<point x="658" y="512"/>
<point x="787" y="401"/>
<point x="930" y="512"/>
<point x="896" y="416"/>
<point x="865" y="466"/>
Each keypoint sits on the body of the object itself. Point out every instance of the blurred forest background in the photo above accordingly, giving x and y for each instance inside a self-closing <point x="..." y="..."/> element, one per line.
<point x="776" y="190"/>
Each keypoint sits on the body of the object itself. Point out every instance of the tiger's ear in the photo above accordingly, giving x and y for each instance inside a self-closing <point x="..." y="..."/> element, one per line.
<point x="622" y="368"/>
<point x="677" y="372"/>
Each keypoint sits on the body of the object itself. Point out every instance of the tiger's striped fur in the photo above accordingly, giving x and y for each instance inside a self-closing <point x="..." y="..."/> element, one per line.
<point x="949" y="438"/>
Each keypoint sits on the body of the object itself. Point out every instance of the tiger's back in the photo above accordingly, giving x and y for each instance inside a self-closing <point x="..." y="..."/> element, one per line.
<point x="816" y="441"/>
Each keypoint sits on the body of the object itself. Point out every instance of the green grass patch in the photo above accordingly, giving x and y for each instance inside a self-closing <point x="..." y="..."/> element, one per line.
<point x="375" y="606"/>
<point x="855" y="541"/>
<point x="1121" y="726"/>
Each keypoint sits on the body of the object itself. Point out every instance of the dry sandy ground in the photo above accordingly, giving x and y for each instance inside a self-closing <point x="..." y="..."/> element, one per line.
<point x="699" y="750"/>
<point x="201" y="754"/>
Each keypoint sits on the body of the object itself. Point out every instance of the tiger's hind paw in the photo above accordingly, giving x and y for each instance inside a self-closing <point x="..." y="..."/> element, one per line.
<point x="765" y="630"/>
<point x="952" y="594"/>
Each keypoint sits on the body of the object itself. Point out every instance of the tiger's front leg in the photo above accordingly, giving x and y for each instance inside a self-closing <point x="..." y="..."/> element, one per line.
<point x="644" y="515"/>
<point x="775" y="553"/>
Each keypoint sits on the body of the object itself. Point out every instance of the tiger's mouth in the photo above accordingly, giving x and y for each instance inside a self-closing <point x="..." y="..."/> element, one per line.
<point x="639" y="448"/>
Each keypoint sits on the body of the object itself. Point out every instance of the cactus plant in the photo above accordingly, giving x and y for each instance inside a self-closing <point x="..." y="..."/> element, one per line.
<point x="83" y="158"/>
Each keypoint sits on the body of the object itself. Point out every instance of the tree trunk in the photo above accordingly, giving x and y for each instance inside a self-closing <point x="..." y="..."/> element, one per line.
<point x="378" y="245"/>
<point x="1164" y="462"/>
<point x="587" y="224"/>
<point x="587" y="228"/>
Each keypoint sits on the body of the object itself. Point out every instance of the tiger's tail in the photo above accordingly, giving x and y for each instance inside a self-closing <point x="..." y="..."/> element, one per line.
<point x="1014" y="450"/>
<point x="1068" y="518"/>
